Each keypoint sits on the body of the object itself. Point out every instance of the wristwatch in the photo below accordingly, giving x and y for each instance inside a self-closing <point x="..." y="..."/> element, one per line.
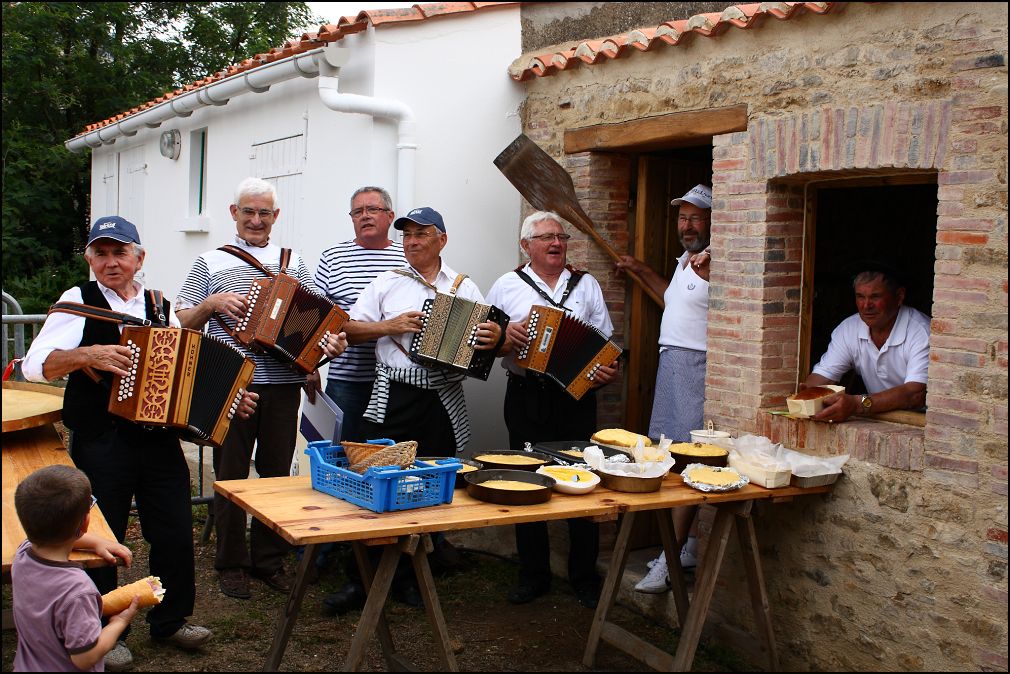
<point x="865" y="403"/>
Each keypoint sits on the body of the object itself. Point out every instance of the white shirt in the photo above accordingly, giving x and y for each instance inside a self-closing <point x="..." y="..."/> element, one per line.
<point x="515" y="297"/>
<point x="685" y="318"/>
<point x="392" y="294"/>
<point x="904" y="357"/>
<point x="63" y="332"/>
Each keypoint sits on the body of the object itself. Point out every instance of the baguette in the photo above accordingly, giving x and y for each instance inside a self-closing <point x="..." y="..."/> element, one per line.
<point x="148" y="589"/>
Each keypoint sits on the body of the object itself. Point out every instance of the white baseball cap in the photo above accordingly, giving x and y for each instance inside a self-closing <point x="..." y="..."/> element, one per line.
<point x="700" y="196"/>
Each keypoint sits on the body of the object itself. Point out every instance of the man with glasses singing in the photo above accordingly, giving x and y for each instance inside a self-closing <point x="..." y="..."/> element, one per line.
<point x="679" y="403"/>
<point x="537" y="409"/>
<point x="216" y="286"/>
<point x="344" y="271"/>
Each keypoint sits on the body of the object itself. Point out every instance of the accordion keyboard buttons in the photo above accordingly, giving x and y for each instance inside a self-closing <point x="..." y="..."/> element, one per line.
<point x="126" y="384"/>
<point x="251" y="298"/>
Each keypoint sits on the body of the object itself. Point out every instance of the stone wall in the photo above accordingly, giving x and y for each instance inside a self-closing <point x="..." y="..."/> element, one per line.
<point x="904" y="565"/>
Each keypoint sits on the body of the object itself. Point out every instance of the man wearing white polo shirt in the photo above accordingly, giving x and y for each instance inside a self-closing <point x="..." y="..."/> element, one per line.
<point x="886" y="343"/>
<point x="679" y="402"/>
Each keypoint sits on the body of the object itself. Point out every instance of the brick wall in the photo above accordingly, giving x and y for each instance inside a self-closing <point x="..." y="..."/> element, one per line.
<point x="904" y="565"/>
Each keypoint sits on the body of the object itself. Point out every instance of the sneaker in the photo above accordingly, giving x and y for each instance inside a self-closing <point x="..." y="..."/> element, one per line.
<point x="657" y="580"/>
<point x="119" y="659"/>
<point x="234" y="583"/>
<point x="687" y="559"/>
<point x="278" y="580"/>
<point x="188" y="637"/>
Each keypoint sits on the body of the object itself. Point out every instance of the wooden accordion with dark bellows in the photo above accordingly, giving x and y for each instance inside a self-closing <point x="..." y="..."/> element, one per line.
<point x="289" y="322"/>
<point x="565" y="349"/>
<point x="449" y="333"/>
<point x="183" y="379"/>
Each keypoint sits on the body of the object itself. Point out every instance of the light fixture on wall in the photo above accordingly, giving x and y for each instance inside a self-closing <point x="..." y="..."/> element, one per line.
<point x="171" y="144"/>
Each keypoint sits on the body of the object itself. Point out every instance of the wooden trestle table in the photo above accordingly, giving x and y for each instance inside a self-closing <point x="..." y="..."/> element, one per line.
<point x="306" y="517"/>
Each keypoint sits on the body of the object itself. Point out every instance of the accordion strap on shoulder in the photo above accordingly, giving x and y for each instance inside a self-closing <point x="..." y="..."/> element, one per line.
<point x="249" y="259"/>
<point x="457" y="283"/>
<point x="285" y="259"/>
<point x="97" y="313"/>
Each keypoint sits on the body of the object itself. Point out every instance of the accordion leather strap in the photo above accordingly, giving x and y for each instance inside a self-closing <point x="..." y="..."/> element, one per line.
<point x="573" y="280"/>
<point x="156" y="306"/>
<point x="249" y="259"/>
<point x="97" y="313"/>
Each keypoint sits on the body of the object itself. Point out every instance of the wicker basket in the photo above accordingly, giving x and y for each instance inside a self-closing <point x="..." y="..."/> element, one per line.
<point x="356" y="452"/>
<point x="401" y="454"/>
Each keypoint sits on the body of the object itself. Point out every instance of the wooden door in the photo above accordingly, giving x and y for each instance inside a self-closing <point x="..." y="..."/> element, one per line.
<point x="661" y="178"/>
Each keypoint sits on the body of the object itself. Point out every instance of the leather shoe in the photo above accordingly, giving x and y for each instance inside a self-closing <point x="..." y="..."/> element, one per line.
<point x="527" y="591"/>
<point x="278" y="580"/>
<point x="234" y="583"/>
<point x="348" y="598"/>
<point x="408" y="594"/>
<point x="588" y="594"/>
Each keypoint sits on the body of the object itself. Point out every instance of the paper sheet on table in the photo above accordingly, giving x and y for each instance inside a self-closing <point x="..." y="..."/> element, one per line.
<point x="597" y="461"/>
<point x="761" y="450"/>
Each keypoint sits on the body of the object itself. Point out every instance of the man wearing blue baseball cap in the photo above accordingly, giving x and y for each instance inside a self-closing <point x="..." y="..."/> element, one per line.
<point x="411" y="401"/>
<point x="679" y="403"/>
<point x="123" y="460"/>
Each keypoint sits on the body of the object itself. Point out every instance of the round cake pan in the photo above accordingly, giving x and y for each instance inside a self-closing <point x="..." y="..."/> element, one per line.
<point x="532" y="467"/>
<point x="459" y="474"/>
<point x="630" y="483"/>
<point x="476" y="488"/>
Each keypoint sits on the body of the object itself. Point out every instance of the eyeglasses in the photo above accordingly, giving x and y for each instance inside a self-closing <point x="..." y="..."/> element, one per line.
<point x="425" y="233"/>
<point x="693" y="219"/>
<point x="547" y="238"/>
<point x="371" y="210"/>
<point x="263" y="213"/>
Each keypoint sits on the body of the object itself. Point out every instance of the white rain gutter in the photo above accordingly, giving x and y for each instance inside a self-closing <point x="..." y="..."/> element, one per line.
<point x="324" y="62"/>
<point x="257" y="80"/>
<point x="330" y="61"/>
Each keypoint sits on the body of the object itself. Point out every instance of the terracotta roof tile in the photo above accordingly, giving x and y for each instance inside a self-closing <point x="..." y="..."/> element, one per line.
<point x="327" y="33"/>
<point x="673" y="33"/>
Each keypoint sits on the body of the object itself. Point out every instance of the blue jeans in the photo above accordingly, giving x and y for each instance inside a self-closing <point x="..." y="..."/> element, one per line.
<point x="352" y="398"/>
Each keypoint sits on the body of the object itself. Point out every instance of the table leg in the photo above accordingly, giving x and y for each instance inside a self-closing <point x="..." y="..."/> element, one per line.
<point x="289" y="614"/>
<point x="426" y="585"/>
<point x="372" y="618"/>
<point x="611" y="585"/>
<point x="758" y="591"/>
<point x="616" y="636"/>
<point x="671" y="547"/>
<point x="704" y="585"/>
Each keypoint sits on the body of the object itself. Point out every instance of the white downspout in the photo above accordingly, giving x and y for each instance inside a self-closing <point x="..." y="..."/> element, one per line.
<point x="330" y="61"/>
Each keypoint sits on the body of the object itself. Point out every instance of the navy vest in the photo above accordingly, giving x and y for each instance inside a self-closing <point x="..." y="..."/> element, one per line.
<point x="86" y="402"/>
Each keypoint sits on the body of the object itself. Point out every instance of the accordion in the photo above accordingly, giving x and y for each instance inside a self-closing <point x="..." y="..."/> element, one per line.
<point x="565" y="349"/>
<point x="289" y="322"/>
<point x="448" y="335"/>
<point x="182" y="379"/>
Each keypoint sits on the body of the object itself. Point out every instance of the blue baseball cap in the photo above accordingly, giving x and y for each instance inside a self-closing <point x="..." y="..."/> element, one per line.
<point x="421" y="216"/>
<point x="115" y="228"/>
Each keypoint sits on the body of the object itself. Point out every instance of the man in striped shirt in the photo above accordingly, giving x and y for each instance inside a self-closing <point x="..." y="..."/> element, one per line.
<point x="344" y="271"/>
<point x="216" y="286"/>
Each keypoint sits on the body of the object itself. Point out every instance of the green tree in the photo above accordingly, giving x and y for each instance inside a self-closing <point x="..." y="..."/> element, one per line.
<point x="70" y="64"/>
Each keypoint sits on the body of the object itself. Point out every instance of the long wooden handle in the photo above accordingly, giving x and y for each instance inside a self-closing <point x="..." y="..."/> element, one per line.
<point x="581" y="221"/>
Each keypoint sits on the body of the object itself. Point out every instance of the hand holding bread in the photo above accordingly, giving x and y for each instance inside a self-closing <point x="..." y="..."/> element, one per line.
<point x="147" y="590"/>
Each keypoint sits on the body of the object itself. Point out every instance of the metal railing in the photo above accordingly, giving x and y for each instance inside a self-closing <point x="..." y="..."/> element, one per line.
<point x="15" y="323"/>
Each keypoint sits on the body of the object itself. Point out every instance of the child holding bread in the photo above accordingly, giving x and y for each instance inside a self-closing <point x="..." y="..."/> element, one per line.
<point x="57" y="608"/>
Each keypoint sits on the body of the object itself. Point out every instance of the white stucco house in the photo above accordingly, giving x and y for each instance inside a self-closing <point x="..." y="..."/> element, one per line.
<point x="416" y="100"/>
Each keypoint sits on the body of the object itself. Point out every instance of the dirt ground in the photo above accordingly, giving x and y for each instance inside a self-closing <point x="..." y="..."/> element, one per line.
<point x="488" y="633"/>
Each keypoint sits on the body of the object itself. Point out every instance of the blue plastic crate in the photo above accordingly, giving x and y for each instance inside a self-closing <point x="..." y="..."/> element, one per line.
<point x="381" y="488"/>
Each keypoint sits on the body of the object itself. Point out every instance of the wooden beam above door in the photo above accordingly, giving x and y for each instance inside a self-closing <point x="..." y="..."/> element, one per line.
<point x="677" y="129"/>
